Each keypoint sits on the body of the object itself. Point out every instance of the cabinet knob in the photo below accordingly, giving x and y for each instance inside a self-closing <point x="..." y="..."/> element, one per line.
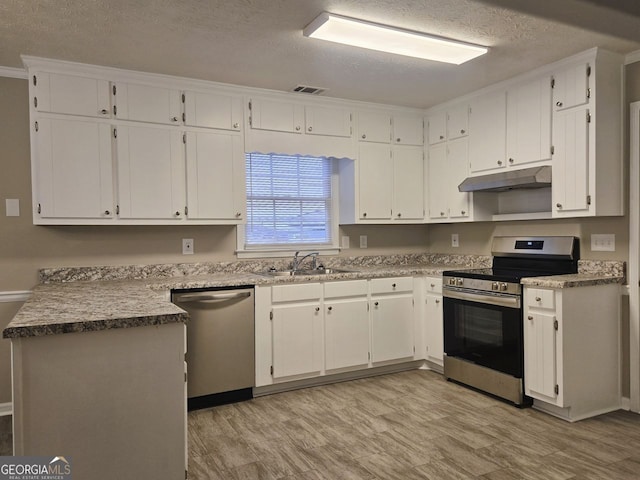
<point x="317" y="309"/>
<point x="375" y="304"/>
<point x="559" y="205"/>
<point x="177" y="214"/>
<point x="310" y="129"/>
<point x="398" y="139"/>
<point x="442" y="214"/>
<point x="441" y="137"/>
<point x="558" y="104"/>
<point x="298" y="128"/>
<point x="364" y="135"/>
<point x="104" y="111"/>
<point x="433" y="285"/>
<point x="538" y="299"/>
<point x="236" y="125"/>
<point x="107" y="212"/>
<point x="463" y="131"/>
<point x="399" y="215"/>
<point x="364" y="214"/>
<point x="393" y="285"/>
<point x="330" y="308"/>
<point x="463" y="212"/>
<point x="174" y="119"/>
<point x="511" y="160"/>
<point x="238" y="214"/>
<point x="499" y="162"/>
<point x="437" y="300"/>
<point x="529" y="317"/>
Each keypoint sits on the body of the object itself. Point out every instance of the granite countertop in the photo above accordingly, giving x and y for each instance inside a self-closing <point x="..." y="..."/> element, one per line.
<point x="86" y="299"/>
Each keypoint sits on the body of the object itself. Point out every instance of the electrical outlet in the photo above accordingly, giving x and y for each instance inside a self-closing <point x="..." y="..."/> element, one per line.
<point x="603" y="242"/>
<point x="12" y="207"/>
<point x="363" y="241"/>
<point x="345" y="241"/>
<point x="455" y="241"/>
<point x="187" y="246"/>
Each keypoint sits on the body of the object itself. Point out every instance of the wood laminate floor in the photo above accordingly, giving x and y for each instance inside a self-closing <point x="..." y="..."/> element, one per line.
<point x="405" y="426"/>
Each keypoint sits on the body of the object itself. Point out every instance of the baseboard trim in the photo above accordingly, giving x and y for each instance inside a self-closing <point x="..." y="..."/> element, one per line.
<point x="625" y="403"/>
<point x="15" y="296"/>
<point x="6" y="409"/>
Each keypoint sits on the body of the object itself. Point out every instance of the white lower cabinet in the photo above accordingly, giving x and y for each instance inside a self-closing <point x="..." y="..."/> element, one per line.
<point x="296" y="317"/>
<point x="434" y="334"/>
<point x="392" y="324"/>
<point x="571" y="347"/>
<point x="346" y="325"/>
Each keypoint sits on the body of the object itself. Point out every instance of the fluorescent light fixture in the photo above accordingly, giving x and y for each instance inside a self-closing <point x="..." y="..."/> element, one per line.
<point x="358" y="33"/>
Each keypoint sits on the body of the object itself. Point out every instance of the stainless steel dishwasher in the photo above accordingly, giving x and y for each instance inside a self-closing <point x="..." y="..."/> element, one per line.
<point x="220" y="344"/>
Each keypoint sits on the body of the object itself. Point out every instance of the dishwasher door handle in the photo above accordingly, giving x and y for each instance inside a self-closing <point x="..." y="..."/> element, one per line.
<point x="206" y="297"/>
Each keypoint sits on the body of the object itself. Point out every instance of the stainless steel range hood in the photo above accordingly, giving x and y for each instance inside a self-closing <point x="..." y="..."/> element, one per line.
<point x="536" y="177"/>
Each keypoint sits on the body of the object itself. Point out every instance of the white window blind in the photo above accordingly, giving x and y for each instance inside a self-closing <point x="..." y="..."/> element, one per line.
<point x="288" y="200"/>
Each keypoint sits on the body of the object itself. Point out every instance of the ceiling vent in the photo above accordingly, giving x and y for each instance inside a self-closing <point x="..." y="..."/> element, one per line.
<point x="308" y="90"/>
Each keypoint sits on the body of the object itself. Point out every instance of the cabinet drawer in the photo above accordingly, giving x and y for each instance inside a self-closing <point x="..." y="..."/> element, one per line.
<point x="540" y="298"/>
<point x="289" y="293"/>
<point x="350" y="288"/>
<point x="391" y="285"/>
<point x="434" y="284"/>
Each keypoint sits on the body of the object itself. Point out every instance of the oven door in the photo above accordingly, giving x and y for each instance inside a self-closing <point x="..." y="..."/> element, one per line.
<point x="484" y="328"/>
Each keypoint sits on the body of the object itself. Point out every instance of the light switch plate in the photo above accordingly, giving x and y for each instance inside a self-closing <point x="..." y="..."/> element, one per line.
<point x="187" y="246"/>
<point x="603" y="242"/>
<point x="13" y="207"/>
<point x="455" y="240"/>
<point x="363" y="241"/>
<point x="345" y="241"/>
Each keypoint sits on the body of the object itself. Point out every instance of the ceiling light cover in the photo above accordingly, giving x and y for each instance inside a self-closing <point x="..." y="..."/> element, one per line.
<point x="358" y="33"/>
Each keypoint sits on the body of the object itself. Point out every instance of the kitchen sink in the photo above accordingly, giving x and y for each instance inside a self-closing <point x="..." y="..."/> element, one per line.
<point x="317" y="271"/>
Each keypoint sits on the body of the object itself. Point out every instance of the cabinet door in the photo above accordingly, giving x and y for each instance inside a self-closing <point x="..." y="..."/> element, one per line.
<point x="215" y="176"/>
<point x="487" y="132"/>
<point x="276" y="116"/>
<point x="151" y="176"/>
<point x="212" y="111"/>
<point x="331" y="121"/>
<point x="346" y="333"/>
<point x="571" y="87"/>
<point x="457" y="171"/>
<point x="375" y="168"/>
<point x="146" y="103"/>
<point x="374" y="127"/>
<point x="71" y="94"/>
<point x="408" y="130"/>
<point x="408" y="183"/>
<point x="540" y="366"/>
<point x="529" y="122"/>
<point x="392" y="335"/>
<point x="458" y="122"/>
<point x="438" y="184"/>
<point x="434" y="329"/>
<point x="297" y="340"/>
<point x="73" y="174"/>
<point x="437" y="128"/>
<point x="570" y="167"/>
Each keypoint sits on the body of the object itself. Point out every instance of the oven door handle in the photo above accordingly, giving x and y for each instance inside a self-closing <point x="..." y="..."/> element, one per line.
<point x="499" y="300"/>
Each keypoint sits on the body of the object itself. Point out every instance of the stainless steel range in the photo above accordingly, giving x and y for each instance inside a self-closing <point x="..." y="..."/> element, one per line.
<point x="483" y="321"/>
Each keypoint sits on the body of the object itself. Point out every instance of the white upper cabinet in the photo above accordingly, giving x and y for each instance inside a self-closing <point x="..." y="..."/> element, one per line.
<point x="374" y="127"/>
<point x="375" y="181"/>
<point x="215" y="176"/>
<point x="278" y="116"/>
<point x="437" y="127"/>
<point x="487" y="132"/>
<point x="331" y="121"/>
<point x="408" y="183"/>
<point x="571" y="86"/>
<point x="457" y="158"/>
<point x="447" y="168"/>
<point x="209" y="110"/>
<point x="438" y="185"/>
<point x="147" y="103"/>
<point x="408" y="130"/>
<point x="529" y="122"/>
<point x="458" y="122"/>
<point x="73" y="172"/>
<point x="150" y="173"/>
<point x="71" y="94"/>
<point x="571" y="161"/>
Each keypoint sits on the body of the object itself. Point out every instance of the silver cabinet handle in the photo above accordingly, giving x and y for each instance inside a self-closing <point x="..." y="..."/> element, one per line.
<point x="236" y="125"/>
<point x="364" y="135"/>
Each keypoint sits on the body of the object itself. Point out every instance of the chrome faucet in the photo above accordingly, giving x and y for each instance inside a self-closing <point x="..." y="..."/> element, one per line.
<point x="297" y="261"/>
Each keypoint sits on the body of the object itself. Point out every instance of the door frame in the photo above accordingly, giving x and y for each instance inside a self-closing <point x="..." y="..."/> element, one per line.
<point x="633" y="272"/>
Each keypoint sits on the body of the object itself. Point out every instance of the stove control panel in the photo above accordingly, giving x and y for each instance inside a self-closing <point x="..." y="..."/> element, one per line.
<point x="484" y="285"/>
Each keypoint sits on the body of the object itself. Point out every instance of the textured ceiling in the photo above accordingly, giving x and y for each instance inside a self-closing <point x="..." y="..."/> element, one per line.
<point x="259" y="42"/>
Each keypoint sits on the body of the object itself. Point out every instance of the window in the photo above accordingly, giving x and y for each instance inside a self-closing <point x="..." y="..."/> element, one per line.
<point x="289" y="202"/>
